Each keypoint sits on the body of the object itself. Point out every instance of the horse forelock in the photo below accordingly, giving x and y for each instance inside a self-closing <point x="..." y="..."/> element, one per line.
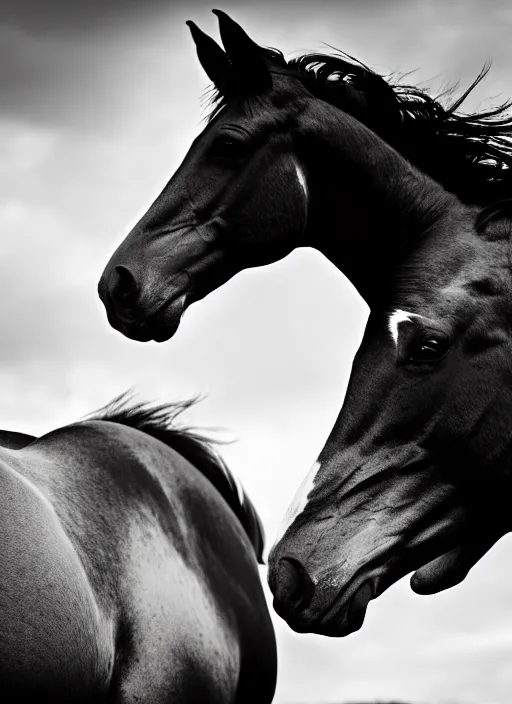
<point x="160" y="422"/>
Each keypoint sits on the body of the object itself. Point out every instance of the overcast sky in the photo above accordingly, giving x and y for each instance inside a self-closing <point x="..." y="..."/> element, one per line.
<point x="100" y="101"/>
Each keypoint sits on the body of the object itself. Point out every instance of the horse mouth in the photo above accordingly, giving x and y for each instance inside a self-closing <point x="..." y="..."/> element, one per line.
<point x="165" y="323"/>
<point x="341" y="618"/>
<point x="352" y="615"/>
<point x="336" y="607"/>
<point x="161" y="325"/>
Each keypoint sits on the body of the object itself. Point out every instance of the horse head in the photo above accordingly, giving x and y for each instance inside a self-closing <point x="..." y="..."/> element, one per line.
<point x="416" y="474"/>
<point x="238" y="200"/>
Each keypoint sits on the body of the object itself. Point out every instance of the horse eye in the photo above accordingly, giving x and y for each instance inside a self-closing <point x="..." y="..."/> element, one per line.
<point x="432" y="349"/>
<point x="229" y="148"/>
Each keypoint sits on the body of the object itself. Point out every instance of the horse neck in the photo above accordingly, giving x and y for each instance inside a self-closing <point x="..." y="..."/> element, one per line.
<point x="369" y="205"/>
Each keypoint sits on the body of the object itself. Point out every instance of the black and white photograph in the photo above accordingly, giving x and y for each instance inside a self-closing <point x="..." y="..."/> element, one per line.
<point x="256" y="359"/>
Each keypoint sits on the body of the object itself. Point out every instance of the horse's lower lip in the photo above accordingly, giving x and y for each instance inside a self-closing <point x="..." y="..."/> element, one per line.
<point x="164" y="334"/>
<point x="160" y="326"/>
<point x="164" y="324"/>
<point x="357" y="606"/>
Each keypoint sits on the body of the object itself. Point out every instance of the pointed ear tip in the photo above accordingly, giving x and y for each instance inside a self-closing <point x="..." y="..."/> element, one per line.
<point x="194" y="30"/>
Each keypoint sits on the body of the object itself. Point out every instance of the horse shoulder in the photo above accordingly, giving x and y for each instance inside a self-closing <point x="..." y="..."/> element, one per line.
<point x="54" y="643"/>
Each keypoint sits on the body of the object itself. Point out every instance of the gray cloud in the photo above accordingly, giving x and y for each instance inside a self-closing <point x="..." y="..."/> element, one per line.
<point x="57" y="16"/>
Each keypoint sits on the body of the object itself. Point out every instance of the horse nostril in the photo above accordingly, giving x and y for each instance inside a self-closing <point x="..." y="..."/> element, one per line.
<point x="125" y="287"/>
<point x="294" y="586"/>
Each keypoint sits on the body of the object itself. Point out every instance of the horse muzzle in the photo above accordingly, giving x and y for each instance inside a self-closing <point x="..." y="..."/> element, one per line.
<point x="138" y="315"/>
<point x="347" y="549"/>
<point x="323" y="606"/>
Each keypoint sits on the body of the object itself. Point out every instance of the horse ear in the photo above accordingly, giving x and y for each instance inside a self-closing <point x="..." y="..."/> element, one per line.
<point x="211" y="57"/>
<point x="245" y="55"/>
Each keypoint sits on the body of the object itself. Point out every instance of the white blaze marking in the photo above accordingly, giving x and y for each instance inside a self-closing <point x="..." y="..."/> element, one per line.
<point x="302" y="180"/>
<point x="300" y="500"/>
<point x="399" y="316"/>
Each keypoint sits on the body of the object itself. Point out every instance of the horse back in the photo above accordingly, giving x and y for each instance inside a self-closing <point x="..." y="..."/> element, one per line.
<point x="54" y="644"/>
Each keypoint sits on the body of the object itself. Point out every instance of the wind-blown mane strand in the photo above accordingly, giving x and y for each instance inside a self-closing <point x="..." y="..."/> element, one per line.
<point x="160" y="422"/>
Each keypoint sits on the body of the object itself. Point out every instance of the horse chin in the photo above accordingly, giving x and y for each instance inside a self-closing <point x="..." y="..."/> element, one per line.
<point x="452" y="567"/>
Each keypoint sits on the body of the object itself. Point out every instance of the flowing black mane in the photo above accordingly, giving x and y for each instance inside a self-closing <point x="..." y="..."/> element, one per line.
<point x="469" y="154"/>
<point x="159" y="422"/>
